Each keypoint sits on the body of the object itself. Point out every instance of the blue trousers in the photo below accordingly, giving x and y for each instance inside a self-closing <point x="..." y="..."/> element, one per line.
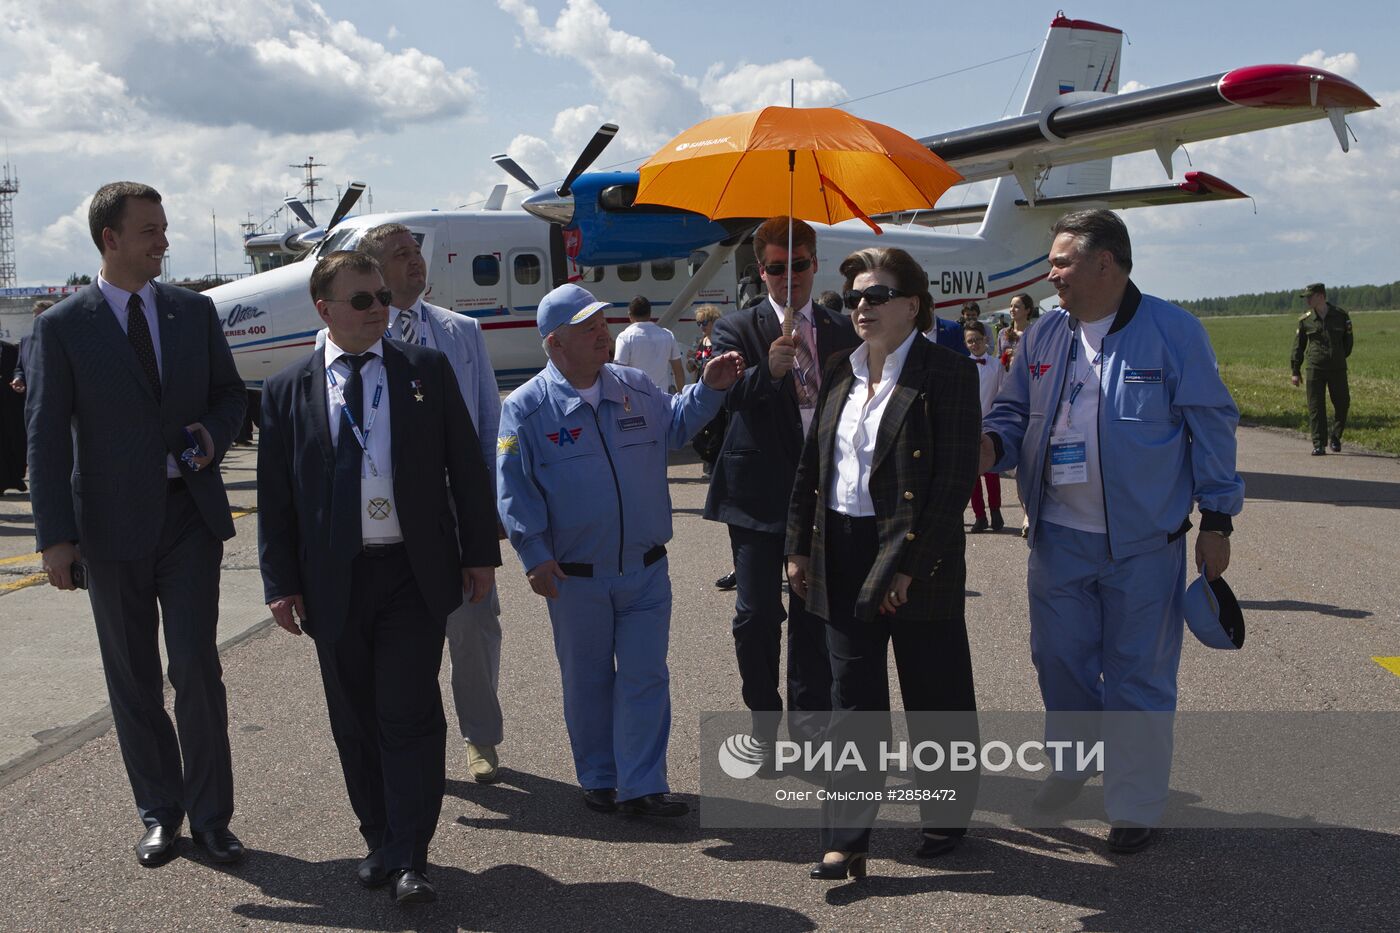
<point x="1106" y="637"/>
<point x="611" y="636"/>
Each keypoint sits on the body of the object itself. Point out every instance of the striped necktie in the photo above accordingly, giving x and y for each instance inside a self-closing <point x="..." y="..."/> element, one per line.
<point x="408" y="326"/>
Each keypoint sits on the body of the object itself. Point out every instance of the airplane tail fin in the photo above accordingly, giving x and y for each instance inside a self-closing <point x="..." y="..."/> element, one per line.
<point x="1080" y="60"/>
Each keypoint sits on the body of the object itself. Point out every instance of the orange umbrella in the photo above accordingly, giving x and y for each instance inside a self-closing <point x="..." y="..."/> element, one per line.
<point x="836" y="167"/>
<point x="842" y="167"/>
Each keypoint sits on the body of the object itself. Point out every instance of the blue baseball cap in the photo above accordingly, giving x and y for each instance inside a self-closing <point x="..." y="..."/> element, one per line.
<point x="1213" y="614"/>
<point x="567" y="304"/>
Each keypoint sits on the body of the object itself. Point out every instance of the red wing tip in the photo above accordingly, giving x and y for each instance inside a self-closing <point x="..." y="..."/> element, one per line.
<point x="1203" y="182"/>
<point x="1292" y="86"/>
<point x="1064" y="22"/>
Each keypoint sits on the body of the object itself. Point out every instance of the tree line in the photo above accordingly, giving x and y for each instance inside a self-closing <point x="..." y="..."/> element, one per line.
<point x="1349" y="297"/>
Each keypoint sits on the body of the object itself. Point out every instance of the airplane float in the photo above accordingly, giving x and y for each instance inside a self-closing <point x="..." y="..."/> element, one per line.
<point x="496" y="265"/>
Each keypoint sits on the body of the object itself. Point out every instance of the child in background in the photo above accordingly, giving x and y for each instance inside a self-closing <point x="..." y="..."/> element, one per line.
<point x="990" y="372"/>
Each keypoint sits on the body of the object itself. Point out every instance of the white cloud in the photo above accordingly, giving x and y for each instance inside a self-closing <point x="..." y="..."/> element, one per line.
<point x="641" y="89"/>
<point x="1346" y="64"/>
<point x="284" y="67"/>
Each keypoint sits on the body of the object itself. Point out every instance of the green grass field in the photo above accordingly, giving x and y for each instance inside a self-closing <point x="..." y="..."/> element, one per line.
<point x="1253" y="354"/>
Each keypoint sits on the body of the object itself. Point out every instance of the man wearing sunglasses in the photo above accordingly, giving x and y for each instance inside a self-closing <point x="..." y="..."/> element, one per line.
<point x="358" y="547"/>
<point x="771" y="407"/>
<point x="473" y="629"/>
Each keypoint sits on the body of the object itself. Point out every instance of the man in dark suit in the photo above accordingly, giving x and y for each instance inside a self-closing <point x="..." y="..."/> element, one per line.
<point x="356" y="542"/>
<point x="120" y="376"/>
<point x="771" y="409"/>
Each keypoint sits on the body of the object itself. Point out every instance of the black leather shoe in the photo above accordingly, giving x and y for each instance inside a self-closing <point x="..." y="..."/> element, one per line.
<point x="223" y="846"/>
<point x="372" y="873"/>
<point x="728" y="582"/>
<point x="933" y="846"/>
<point x="410" y="887"/>
<point x="157" y="845"/>
<point x="1128" y="838"/>
<point x="654" y="805"/>
<point x="1336" y="445"/>
<point x="1056" y="794"/>
<point x="601" y="800"/>
<point x="1319" y="451"/>
<point x="979" y="526"/>
<point x="998" y="523"/>
<point x="852" y="866"/>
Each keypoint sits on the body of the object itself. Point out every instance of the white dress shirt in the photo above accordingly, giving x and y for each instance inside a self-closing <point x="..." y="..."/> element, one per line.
<point x="858" y="428"/>
<point x="117" y="299"/>
<point x="380" y="450"/>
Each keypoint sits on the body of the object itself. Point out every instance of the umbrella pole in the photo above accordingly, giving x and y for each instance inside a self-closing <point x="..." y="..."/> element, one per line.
<point x="789" y="320"/>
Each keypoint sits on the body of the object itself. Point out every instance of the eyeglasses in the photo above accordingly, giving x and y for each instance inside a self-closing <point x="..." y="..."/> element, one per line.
<point x="874" y="296"/>
<point x="362" y="301"/>
<point x="776" y="269"/>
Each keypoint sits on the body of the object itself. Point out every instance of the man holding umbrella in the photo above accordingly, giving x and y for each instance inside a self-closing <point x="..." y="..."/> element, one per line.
<point x="771" y="409"/>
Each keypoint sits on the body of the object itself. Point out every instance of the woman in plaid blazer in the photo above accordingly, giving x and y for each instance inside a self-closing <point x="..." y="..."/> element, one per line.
<point x="875" y="540"/>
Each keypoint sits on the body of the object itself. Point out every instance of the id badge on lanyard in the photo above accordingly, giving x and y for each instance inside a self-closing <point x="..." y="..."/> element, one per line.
<point x="1069" y="462"/>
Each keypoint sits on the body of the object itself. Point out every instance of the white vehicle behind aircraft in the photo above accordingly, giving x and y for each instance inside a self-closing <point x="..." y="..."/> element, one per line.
<point x="496" y="265"/>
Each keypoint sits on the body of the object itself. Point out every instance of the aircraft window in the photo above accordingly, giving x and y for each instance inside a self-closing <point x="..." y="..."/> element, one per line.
<point x="590" y="274"/>
<point x="663" y="270"/>
<point x="527" y="269"/>
<point x="486" y="270"/>
<point x="341" y="239"/>
<point x="697" y="259"/>
<point x="629" y="272"/>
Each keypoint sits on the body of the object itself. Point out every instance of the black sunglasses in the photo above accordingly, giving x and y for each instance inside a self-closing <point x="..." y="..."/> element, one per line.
<point x="874" y="296"/>
<point x="780" y="268"/>
<point x="361" y="301"/>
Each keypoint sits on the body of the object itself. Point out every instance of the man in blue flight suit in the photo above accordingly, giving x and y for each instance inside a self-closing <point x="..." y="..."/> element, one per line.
<point x="1117" y="422"/>
<point x="583" y="497"/>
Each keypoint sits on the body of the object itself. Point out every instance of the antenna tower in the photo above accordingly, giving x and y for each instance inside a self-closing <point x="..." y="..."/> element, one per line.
<point x="309" y="185"/>
<point x="9" y="187"/>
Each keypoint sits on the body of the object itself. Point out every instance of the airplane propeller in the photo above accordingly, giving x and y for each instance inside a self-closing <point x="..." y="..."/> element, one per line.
<point x="513" y="169"/>
<point x="557" y="206"/>
<point x="347" y="201"/>
<point x="298" y="208"/>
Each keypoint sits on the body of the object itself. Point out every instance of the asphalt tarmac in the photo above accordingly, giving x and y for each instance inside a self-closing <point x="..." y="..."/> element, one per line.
<point x="1314" y="564"/>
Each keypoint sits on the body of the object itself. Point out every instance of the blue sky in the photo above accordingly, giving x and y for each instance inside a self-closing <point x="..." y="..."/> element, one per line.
<point x="212" y="102"/>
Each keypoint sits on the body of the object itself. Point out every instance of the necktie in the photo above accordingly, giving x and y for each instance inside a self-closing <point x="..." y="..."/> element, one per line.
<point x="139" y="333"/>
<point x="345" y="508"/>
<point x="408" y="326"/>
<point x="806" y="372"/>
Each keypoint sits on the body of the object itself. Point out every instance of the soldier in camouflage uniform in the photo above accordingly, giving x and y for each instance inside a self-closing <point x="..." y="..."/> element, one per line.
<point x="1323" y="345"/>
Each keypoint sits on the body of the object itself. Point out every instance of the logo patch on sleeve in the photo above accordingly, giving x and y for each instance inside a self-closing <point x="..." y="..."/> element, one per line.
<point x="1142" y="377"/>
<point x="1038" y="369"/>
<point x="507" y="445"/>
<point x="564" y="436"/>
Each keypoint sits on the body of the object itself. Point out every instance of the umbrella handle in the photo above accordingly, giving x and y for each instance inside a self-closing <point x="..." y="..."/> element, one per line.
<point x="789" y="322"/>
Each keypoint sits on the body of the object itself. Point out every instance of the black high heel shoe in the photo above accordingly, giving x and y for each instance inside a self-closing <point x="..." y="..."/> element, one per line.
<point x="852" y="866"/>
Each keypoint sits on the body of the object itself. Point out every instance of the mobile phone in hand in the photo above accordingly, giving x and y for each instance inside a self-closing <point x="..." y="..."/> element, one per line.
<point x="192" y="449"/>
<point x="79" y="574"/>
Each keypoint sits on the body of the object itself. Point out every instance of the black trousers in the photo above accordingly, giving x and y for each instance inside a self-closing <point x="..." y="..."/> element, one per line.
<point x="178" y="586"/>
<point x="934" y="665"/>
<point x="381" y="680"/>
<point x="759" y="569"/>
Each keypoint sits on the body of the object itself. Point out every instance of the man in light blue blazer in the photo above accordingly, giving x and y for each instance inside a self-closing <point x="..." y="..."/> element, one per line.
<point x="474" y="630"/>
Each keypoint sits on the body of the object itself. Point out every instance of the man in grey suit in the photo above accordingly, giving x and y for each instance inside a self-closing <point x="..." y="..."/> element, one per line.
<point x="473" y="629"/>
<point x="120" y="377"/>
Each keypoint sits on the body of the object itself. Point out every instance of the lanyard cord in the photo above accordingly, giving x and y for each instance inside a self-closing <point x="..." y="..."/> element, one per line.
<point x="361" y="437"/>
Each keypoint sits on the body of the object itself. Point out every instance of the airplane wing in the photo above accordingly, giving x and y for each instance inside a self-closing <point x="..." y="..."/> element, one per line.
<point x="1198" y="187"/>
<point x="1160" y="119"/>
